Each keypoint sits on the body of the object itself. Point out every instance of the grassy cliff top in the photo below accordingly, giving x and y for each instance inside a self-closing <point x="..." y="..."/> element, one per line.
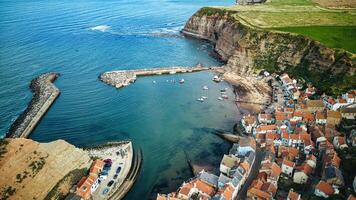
<point x="332" y="23"/>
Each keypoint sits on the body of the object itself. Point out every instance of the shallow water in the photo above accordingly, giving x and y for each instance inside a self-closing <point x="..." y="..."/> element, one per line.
<point x="81" y="39"/>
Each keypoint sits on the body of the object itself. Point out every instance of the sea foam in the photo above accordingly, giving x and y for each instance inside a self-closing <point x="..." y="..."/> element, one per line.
<point x="102" y="28"/>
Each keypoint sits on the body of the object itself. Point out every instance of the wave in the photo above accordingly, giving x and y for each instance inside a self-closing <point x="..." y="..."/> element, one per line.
<point x="101" y="28"/>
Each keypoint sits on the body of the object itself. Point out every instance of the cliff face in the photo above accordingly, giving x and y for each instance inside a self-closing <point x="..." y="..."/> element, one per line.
<point x="247" y="50"/>
<point x="32" y="170"/>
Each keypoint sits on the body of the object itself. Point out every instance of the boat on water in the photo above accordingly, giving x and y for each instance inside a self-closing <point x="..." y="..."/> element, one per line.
<point x="216" y="78"/>
<point x="220" y="98"/>
<point x="154" y="82"/>
<point x="223" y="90"/>
<point x="205" y="87"/>
<point x="204" y="97"/>
<point x="224" y="96"/>
<point x="181" y="81"/>
<point x="200" y="99"/>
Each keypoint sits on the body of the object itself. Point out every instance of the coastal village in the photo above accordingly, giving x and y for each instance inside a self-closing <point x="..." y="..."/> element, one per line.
<point x="289" y="150"/>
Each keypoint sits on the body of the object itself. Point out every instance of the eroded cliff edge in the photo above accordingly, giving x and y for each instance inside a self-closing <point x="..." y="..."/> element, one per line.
<point x="247" y="50"/>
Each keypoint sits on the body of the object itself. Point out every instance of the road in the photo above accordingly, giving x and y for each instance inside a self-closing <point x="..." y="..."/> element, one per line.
<point x="254" y="172"/>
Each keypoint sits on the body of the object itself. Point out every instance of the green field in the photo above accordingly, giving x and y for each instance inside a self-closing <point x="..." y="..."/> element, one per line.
<point x="332" y="27"/>
<point x="343" y="37"/>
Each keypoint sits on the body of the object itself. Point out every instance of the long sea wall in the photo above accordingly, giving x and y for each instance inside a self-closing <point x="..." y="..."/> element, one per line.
<point x="247" y="50"/>
<point x="122" y="78"/>
<point x="44" y="94"/>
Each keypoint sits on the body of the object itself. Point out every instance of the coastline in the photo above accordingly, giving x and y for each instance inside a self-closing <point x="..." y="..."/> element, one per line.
<point x="44" y="95"/>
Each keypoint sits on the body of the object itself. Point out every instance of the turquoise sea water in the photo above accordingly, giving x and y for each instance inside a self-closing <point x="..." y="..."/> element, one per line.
<point x="164" y="119"/>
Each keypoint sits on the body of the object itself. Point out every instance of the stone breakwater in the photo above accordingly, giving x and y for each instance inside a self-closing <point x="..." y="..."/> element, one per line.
<point x="124" y="78"/>
<point x="44" y="94"/>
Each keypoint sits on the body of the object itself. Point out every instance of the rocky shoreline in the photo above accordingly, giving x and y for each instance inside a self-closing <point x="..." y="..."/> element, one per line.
<point x="44" y="94"/>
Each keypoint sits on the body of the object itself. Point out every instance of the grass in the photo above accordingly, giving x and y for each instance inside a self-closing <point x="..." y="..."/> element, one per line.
<point x="334" y="28"/>
<point x="343" y="37"/>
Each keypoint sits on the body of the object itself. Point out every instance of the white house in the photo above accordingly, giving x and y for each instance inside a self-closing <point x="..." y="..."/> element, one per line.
<point x="339" y="142"/>
<point x="320" y="118"/>
<point x="246" y="145"/>
<point x="248" y="122"/>
<point x="228" y="162"/>
<point x="350" y="97"/>
<point x="287" y="167"/>
<point x="300" y="177"/>
<point x="265" y="118"/>
<point x="301" y="174"/>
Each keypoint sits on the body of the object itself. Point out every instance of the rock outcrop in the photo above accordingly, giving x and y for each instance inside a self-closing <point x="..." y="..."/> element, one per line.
<point x="248" y="50"/>
<point x="30" y="170"/>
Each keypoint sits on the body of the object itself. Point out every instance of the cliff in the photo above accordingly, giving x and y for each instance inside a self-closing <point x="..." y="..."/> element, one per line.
<point x="32" y="170"/>
<point x="247" y="50"/>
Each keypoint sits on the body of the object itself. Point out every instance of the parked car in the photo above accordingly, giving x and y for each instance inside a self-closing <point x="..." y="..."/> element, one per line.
<point x="115" y="176"/>
<point x="106" y="168"/>
<point x="106" y="190"/>
<point x="103" y="177"/>
<point x="118" y="170"/>
<point x="110" y="183"/>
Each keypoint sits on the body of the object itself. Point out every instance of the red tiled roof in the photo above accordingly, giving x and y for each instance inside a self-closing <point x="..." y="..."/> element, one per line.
<point x="185" y="189"/>
<point x="288" y="163"/>
<point x="259" y="193"/>
<point x="334" y="114"/>
<point x="276" y="170"/>
<point x="341" y="100"/>
<point x="228" y="192"/>
<point x="202" y="186"/>
<point x="325" y="188"/>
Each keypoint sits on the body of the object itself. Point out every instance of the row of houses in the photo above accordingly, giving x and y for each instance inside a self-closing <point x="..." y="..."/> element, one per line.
<point x="234" y="169"/>
<point x="88" y="184"/>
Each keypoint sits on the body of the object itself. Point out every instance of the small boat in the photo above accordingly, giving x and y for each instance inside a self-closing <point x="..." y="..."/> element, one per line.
<point x="204" y="97"/>
<point x="200" y="99"/>
<point x="205" y="87"/>
<point x="223" y="90"/>
<point x="181" y="81"/>
<point x="216" y="78"/>
<point x="220" y="98"/>
<point x="224" y="96"/>
<point x="154" y="82"/>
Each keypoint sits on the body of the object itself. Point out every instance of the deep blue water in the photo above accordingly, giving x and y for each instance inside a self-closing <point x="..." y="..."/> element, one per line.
<point x="164" y="119"/>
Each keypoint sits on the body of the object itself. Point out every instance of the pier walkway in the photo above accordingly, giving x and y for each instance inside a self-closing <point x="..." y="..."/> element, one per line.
<point x="123" y="78"/>
<point x="131" y="177"/>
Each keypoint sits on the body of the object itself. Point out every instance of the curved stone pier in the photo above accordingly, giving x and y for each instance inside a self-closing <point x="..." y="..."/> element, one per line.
<point x="44" y="94"/>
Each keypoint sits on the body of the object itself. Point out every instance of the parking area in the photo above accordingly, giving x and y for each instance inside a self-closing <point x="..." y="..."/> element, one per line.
<point x="118" y="161"/>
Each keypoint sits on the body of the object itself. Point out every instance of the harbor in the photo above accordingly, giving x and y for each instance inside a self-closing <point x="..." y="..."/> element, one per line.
<point x="122" y="78"/>
<point x="44" y="94"/>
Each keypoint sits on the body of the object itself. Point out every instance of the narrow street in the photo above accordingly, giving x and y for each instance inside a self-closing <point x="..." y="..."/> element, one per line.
<point x="254" y="172"/>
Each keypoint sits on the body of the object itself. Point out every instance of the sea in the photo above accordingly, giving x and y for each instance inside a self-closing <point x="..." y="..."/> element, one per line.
<point x="81" y="39"/>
